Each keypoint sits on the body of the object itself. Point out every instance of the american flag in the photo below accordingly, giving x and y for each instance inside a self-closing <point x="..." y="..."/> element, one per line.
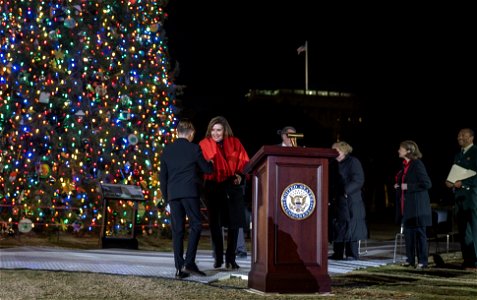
<point x="302" y="49"/>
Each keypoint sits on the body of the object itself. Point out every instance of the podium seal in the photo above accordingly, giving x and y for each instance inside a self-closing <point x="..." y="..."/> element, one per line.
<point x="298" y="201"/>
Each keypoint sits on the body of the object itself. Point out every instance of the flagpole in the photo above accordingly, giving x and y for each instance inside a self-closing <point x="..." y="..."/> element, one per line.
<point x="300" y="50"/>
<point x="306" y="67"/>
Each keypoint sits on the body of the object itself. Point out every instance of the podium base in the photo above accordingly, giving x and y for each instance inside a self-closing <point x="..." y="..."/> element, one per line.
<point x="295" y="283"/>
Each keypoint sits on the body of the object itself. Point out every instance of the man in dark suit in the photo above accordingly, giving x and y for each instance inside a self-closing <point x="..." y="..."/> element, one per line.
<point x="181" y="162"/>
<point x="465" y="192"/>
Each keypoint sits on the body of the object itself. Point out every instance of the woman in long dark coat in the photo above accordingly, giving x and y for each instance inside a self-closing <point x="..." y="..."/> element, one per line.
<point x="349" y="224"/>
<point x="413" y="203"/>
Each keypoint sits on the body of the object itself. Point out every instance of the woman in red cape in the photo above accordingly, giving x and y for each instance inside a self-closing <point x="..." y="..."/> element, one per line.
<point x="224" y="188"/>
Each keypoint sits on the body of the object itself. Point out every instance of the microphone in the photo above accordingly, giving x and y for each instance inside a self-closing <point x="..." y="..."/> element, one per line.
<point x="295" y="135"/>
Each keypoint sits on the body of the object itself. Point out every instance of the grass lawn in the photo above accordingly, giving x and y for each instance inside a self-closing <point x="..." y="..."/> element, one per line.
<point x="441" y="281"/>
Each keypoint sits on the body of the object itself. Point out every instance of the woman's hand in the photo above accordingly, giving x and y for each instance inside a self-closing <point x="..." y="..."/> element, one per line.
<point x="237" y="179"/>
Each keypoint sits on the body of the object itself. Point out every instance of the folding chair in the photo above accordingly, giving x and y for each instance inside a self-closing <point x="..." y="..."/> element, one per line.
<point x="365" y="251"/>
<point x="441" y="227"/>
<point x="399" y="239"/>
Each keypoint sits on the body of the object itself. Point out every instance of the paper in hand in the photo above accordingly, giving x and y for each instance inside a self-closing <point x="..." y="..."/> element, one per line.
<point x="458" y="173"/>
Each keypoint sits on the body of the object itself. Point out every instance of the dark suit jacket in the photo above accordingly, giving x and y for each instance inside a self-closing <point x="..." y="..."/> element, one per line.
<point x="181" y="164"/>
<point x="467" y="195"/>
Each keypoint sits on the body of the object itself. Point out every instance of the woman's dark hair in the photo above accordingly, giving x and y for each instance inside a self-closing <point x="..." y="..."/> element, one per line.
<point x="219" y="120"/>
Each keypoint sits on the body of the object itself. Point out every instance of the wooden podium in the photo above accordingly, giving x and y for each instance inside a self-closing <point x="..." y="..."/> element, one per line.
<point x="290" y="220"/>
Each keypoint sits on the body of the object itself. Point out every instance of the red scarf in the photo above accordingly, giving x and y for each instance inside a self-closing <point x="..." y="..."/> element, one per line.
<point x="228" y="159"/>
<point x="403" y="173"/>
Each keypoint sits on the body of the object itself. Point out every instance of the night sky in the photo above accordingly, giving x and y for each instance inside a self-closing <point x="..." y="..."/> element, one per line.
<point x="397" y="60"/>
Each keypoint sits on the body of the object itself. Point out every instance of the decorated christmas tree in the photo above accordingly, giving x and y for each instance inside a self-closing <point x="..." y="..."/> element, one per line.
<point x="85" y="99"/>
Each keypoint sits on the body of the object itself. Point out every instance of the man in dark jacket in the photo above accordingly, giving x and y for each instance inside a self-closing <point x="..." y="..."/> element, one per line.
<point x="181" y="162"/>
<point x="465" y="192"/>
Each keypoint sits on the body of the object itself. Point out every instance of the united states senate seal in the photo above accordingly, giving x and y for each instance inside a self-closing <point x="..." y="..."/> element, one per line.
<point x="298" y="201"/>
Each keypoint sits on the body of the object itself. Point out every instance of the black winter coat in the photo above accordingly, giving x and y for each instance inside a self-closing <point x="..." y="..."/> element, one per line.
<point x="417" y="203"/>
<point x="349" y="212"/>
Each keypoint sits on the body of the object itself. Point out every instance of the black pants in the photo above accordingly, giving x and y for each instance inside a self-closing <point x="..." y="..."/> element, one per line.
<point x="179" y="209"/>
<point x="225" y="207"/>
<point x="416" y="243"/>
<point x="349" y="248"/>
<point x="467" y="226"/>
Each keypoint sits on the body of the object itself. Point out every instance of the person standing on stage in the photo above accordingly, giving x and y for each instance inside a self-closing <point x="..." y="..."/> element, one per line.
<point x="413" y="204"/>
<point x="223" y="189"/>
<point x="465" y="192"/>
<point x="349" y="213"/>
<point x="180" y="186"/>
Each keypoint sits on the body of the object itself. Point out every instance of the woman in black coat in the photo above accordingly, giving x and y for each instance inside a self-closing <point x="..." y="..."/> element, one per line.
<point x="413" y="203"/>
<point x="349" y="223"/>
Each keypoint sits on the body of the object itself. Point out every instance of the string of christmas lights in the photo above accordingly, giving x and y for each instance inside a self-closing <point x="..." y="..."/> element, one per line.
<point x="85" y="99"/>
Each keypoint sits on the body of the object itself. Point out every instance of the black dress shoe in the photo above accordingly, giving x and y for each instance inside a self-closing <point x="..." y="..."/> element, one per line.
<point x="218" y="264"/>
<point x="181" y="274"/>
<point x="335" y="257"/>
<point x="232" y="266"/>
<point x="194" y="270"/>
